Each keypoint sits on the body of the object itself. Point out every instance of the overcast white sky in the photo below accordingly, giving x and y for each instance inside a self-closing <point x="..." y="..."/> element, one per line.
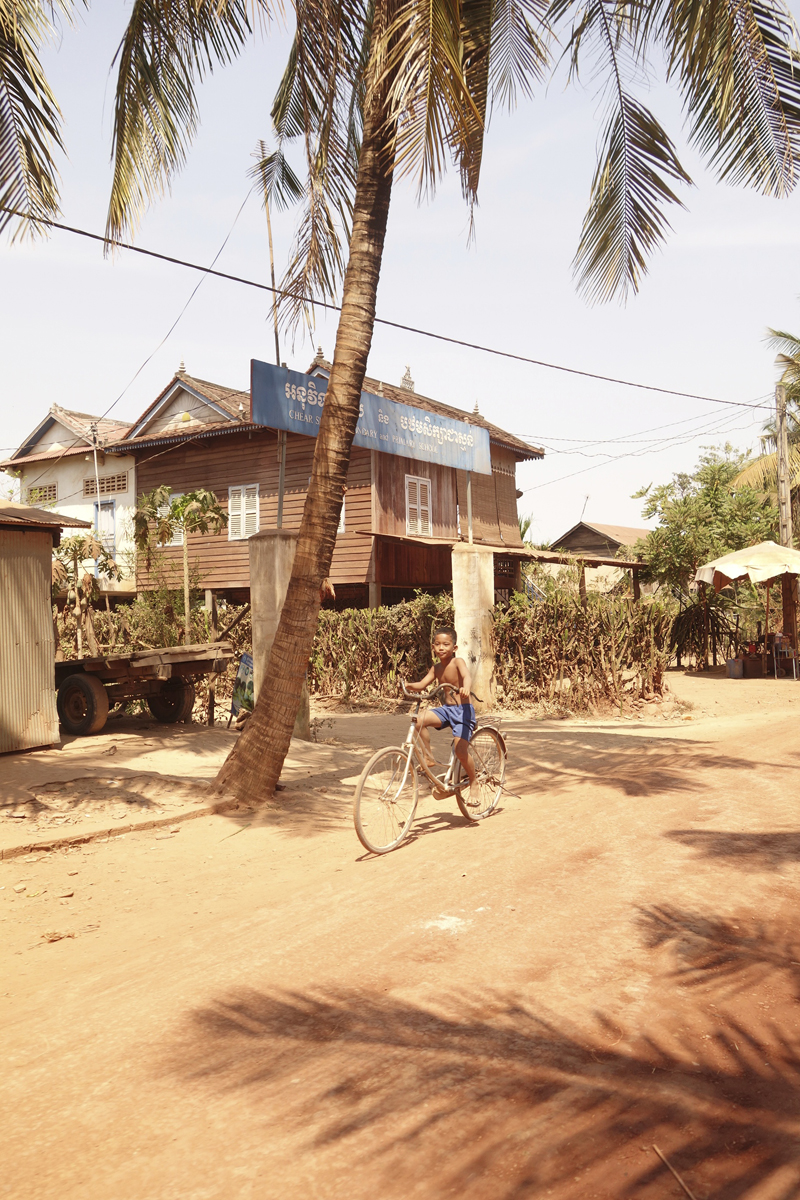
<point x="76" y="327"/>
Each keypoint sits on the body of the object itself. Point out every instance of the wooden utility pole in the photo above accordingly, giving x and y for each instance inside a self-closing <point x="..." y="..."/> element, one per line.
<point x="281" y="432"/>
<point x="788" y="582"/>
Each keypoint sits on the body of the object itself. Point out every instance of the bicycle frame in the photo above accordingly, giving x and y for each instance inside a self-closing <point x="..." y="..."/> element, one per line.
<point x="444" y="783"/>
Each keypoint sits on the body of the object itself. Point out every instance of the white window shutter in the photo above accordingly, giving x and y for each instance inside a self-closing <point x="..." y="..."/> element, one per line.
<point x="418" y="506"/>
<point x="234" y="514"/>
<point x="251" y="513"/>
<point x="177" y="537"/>
<point x="412" y="505"/>
<point x="424" y="507"/>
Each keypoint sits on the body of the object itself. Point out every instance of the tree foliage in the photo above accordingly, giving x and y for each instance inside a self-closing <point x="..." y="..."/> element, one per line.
<point x="162" y="514"/>
<point x="701" y="516"/>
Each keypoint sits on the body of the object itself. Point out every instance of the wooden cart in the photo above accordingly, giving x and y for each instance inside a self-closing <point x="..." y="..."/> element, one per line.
<point x="87" y="687"/>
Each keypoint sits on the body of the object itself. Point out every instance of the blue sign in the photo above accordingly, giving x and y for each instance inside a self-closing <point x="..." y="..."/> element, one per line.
<point x="290" y="400"/>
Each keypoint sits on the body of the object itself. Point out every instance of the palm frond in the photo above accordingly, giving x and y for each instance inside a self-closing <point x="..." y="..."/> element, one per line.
<point x="428" y="97"/>
<point x="738" y="64"/>
<point x="30" y="119"/>
<point x="520" y="52"/>
<point x="168" y="46"/>
<point x="278" y="184"/>
<point x="319" y="100"/>
<point x="762" y="473"/>
<point x="637" y="163"/>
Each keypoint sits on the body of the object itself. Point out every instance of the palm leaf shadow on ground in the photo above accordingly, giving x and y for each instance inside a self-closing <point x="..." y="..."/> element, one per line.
<point x="632" y="763"/>
<point x="745" y="851"/>
<point x="484" y="1097"/>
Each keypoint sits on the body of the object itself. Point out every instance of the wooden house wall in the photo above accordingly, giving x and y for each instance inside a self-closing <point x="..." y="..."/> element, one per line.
<point x="404" y="565"/>
<point x="389" y="495"/>
<point x="252" y="457"/>
<point x="375" y="501"/>
<point x="494" y="501"/>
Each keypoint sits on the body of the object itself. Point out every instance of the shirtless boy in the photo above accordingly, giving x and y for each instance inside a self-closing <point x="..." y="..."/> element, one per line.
<point x="457" y="712"/>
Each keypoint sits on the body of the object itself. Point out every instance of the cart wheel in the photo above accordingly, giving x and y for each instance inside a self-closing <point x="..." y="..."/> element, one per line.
<point x="82" y="704"/>
<point x="174" y="702"/>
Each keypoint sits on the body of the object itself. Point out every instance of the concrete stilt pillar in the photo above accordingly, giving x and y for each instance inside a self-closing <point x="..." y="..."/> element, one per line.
<point x="473" y="598"/>
<point x="271" y="557"/>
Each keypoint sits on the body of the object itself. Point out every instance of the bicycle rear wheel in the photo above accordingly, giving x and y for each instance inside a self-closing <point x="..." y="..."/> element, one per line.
<point x="489" y="755"/>
<point x="385" y="800"/>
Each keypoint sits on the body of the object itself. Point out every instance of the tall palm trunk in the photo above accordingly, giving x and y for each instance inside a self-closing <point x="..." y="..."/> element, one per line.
<point x="254" y="766"/>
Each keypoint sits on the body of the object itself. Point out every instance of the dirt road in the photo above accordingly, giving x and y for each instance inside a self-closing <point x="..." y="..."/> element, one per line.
<point x="252" y="1008"/>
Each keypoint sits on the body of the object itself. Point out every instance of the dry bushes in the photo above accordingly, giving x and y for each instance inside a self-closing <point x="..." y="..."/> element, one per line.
<point x="360" y="653"/>
<point x="559" y="652"/>
<point x="580" y="656"/>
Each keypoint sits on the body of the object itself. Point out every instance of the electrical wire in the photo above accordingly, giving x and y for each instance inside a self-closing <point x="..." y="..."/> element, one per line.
<point x="724" y="428"/>
<point x="441" y="337"/>
<point x="137" y="373"/>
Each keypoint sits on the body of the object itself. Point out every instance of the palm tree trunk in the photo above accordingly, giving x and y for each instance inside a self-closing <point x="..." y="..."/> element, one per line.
<point x="253" y="768"/>
<point x="187" y="635"/>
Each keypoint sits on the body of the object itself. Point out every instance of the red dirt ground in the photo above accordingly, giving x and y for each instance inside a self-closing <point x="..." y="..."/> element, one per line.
<point x="516" y="1009"/>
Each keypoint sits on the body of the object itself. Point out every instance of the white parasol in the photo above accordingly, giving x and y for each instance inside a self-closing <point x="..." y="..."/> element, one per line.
<point x="761" y="564"/>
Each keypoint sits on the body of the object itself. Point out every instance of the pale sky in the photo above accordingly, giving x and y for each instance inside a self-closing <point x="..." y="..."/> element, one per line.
<point x="77" y="327"/>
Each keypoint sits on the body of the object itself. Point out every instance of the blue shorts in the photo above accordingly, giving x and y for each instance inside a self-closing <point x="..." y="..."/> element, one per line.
<point x="460" y="718"/>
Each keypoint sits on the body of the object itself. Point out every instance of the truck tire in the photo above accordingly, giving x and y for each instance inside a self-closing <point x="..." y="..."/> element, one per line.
<point x="82" y="704"/>
<point x="174" y="702"/>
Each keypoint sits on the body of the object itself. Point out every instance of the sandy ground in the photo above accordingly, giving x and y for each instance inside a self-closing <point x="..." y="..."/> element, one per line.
<point x="520" y="1008"/>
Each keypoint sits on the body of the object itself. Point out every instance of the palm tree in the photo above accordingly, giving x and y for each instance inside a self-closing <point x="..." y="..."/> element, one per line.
<point x="396" y="87"/>
<point x="162" y="515"/>
<point x="762" y="472"/>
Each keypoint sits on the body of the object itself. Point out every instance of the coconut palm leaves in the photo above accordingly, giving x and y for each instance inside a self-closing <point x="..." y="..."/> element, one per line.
<point x="319" y="103"/>
<point x="168" y="46"/>
<point x="736" y="63"/>
<point x="29" y="116"/>
<point x="762" y="473"/>
<point x="637" y="163"/>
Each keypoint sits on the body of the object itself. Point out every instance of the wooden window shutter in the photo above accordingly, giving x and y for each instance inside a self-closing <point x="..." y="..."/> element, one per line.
<point x="412" y="505"/>
<point x="424" y="507"/>
<point x="418" y="506"/>
<point x="177" y="537"/>
<point x="234" y="514"/>
<point x="251" y="513"/>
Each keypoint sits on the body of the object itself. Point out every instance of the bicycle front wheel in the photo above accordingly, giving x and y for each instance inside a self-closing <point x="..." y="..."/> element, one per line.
<point x="385" y="800"/>
<point x="489" y="755"/>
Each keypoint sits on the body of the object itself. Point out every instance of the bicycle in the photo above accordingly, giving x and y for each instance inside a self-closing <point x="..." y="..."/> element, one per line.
<point x="387" y="792"/>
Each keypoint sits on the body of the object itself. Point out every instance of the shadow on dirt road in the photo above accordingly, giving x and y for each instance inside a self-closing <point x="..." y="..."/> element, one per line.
<point x="482" y="1096"/>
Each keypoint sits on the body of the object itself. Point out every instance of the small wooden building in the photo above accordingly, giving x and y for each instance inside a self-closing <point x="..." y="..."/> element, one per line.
<point x="599" y="541"/>
<point x="28" y="715"/>
<point x="400" y="517"/>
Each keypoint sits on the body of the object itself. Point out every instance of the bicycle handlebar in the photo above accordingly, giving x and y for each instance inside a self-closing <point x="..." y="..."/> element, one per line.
<point x="434" y="692"/>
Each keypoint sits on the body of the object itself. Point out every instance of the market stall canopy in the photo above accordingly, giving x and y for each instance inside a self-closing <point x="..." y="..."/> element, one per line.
<point x="759" y="563"/>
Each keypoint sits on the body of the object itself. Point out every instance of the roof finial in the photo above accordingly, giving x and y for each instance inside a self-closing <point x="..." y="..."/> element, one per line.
<point x="407" y="382"/>
<point x="476" y="412"/>
<point x="182" y="368"/>
<point x="319" y="356"/>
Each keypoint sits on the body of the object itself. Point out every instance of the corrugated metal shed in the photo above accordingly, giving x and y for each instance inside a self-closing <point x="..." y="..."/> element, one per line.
<point x="28" y="715"/>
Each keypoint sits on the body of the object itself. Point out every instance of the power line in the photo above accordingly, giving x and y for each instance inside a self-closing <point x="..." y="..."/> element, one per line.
<point x="722" y="427"/>
<point x="441" y="337"/>
<point x="172" y="327"/>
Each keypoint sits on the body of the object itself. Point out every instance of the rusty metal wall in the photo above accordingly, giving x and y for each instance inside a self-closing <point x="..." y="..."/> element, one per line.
<point x="27" y="653"/>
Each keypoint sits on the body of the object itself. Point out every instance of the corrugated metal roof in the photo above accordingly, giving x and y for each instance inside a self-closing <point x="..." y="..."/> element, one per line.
<point x="26" y="516"/>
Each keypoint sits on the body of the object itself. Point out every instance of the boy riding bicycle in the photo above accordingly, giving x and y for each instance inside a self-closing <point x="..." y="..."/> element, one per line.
<point x="458" y="713"/>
